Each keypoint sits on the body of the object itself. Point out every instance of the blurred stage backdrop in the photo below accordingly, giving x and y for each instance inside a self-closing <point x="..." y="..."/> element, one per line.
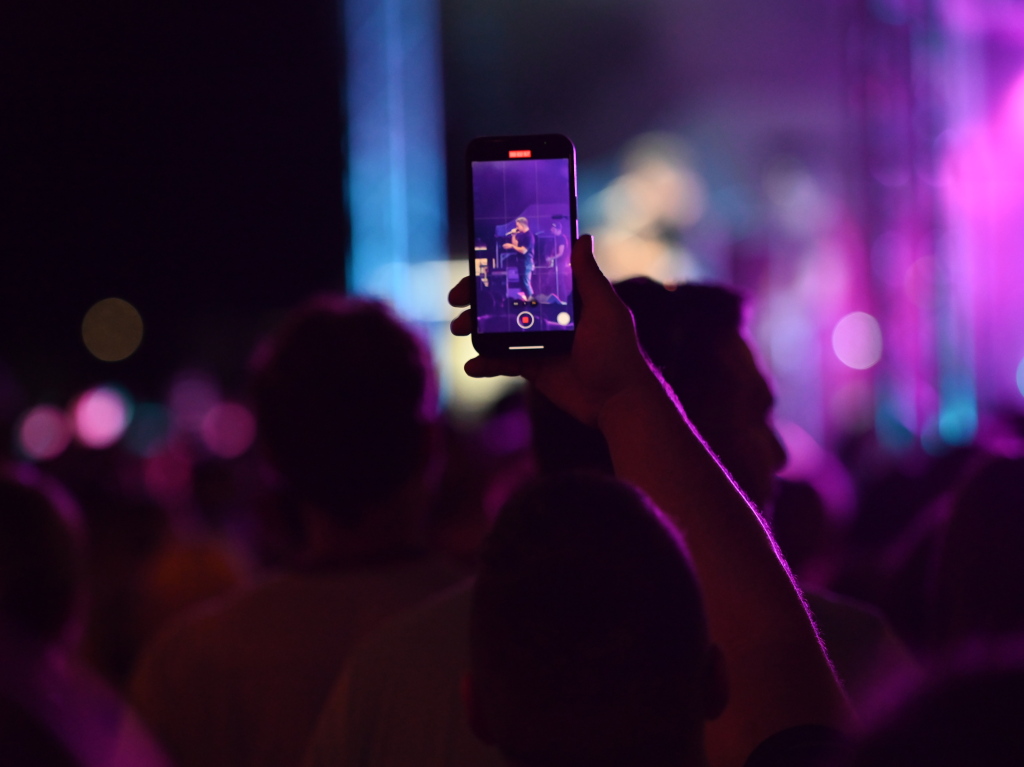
<point x="175" y="177"/>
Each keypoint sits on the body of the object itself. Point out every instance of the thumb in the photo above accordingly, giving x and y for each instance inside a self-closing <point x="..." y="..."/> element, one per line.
<point x="586" y="274"/>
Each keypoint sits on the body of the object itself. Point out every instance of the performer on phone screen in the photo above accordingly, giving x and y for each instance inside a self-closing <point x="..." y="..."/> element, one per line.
<point x="522" y="244"/>
<point x="560" y="260"/>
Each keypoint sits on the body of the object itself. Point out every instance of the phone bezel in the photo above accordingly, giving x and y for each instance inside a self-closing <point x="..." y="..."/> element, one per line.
<point x="542" y="147"/>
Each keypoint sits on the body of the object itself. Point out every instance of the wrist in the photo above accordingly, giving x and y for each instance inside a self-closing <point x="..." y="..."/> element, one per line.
<point x="644" y="390"/>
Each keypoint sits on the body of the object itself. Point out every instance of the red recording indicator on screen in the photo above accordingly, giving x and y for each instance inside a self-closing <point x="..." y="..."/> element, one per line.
<point x="514" y="154"/>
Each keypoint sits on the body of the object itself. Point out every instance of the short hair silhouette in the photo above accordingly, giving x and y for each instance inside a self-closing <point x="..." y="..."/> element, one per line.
<point x="681" y="329"/>
<point x="344" y="395"/>
<point x="980" y="579"/>
<point x="588" y="632"/>
<point x="680" y="325"/>
<point x="41" y="563"/>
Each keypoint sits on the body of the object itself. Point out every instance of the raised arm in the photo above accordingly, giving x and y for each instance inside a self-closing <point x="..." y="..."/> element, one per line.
<point x="780" y="676"/>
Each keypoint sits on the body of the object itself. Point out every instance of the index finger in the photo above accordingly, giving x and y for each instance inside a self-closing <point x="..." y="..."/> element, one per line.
<point x="461" y="294"/>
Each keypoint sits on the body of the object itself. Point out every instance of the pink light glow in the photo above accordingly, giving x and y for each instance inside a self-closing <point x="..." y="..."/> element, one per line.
<point x="972" y="17"/>
<point x="191" y="398"/>
<point x="809" y="462"/>
<point x="857" y="341"/>
<point x="984" y="193"/>
<point x="44" y="433"/>
<point x="984" y="161"/>
<point x="100" y="417"/>
<point x="1014" y="112"/>
<point x="804" y="456"/>
<point x="919" y="280"/>
<point x="228" y="430"/>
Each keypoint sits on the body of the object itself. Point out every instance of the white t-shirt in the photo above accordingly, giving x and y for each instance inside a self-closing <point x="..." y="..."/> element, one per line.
<point x="398" y="702"/>
<point x="241" y="683"/>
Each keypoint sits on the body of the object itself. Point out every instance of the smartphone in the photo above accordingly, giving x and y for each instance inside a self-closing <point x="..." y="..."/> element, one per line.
<point x="522" y="225"/>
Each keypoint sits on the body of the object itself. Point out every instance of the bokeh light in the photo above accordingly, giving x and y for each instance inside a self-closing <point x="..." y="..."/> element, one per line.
<point x="659" y="192"/>
<point x="857" y="341"/>
<point x="468" y="398"/>
<point x="168" y="476"/>
<point x="809" y="462"/>
<point x="191" y="397"/>
<point x="101" y="416"/>
<point x="147" y="433"/>
<point x="112" y="330"/>
<point x="228" y="429"/>
<point x="43" y="433"/>
<point x="804" y="456"/>
<point x="958" y="421"/>
<point x="851" y="405"/>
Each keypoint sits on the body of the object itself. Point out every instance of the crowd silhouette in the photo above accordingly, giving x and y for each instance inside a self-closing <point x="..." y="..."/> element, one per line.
<point x="605" y="571"/>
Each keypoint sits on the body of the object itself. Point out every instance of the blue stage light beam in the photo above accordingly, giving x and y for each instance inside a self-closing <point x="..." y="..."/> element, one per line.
<point x="395" y="185"/>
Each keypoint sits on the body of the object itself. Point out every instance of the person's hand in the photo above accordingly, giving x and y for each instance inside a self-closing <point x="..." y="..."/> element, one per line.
<point x="605" y="358"/>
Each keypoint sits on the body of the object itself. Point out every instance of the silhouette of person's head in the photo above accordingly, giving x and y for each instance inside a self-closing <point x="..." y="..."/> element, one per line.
<point x="41" y="566"/>
<point x="588" y="635"/>
<point x="692" y="334"/>
<point x="53" y="711"/>
<point x="345" y="399"/>
<point x="980" y="581"/>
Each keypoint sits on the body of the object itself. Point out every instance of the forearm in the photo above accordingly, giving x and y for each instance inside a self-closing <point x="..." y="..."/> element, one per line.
<point x="781" y="675"/>
<point x="780" y="672"/>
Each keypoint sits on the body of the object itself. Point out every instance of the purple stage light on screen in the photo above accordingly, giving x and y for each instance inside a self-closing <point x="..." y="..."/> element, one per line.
<point x="530" y="291"/>
<point x="43" y="433"/>
<point x="503" y="190"/>
<point x="101" y="416"/>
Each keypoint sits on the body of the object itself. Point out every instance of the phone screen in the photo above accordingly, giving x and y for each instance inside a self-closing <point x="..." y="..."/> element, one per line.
<point x="523" y="227"/>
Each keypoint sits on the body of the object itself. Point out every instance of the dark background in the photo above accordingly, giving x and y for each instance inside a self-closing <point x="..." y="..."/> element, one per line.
<point x="189" y="156"/>
<point x="184" y="156"/>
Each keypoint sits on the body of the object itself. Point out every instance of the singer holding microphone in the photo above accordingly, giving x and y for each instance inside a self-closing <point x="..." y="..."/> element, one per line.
<point x="522" y="243"/>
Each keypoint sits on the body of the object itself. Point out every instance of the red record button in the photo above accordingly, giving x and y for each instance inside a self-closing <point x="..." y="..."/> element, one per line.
<point x="525" y="320"/>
